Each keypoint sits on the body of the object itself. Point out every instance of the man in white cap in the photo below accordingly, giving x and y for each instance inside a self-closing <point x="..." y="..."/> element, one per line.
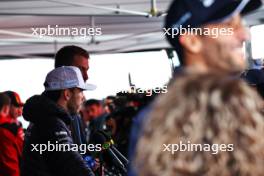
<point x="49" y="114"/>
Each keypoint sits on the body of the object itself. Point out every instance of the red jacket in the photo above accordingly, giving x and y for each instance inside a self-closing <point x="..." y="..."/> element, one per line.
<point x="11" y="145"/>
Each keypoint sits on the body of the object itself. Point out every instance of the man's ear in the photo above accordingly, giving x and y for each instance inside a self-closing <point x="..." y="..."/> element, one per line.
<point x="191" y="43"/>
<point x="66" y="94"/>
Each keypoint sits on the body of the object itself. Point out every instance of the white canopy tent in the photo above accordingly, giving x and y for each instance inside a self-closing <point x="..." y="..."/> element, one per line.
<point x="126" y="25"/>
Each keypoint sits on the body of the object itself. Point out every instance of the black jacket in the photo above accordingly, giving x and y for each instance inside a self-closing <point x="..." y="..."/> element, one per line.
<point x="77" y="130"/>
<point x="49" y="124"/>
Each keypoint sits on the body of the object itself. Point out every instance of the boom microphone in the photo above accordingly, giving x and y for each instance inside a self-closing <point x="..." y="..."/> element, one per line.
<point x="108" y="153"/>
<point x="118" y="154"/>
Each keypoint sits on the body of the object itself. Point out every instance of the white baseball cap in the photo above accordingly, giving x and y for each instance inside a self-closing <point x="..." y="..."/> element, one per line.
<point x="65" y="77"/>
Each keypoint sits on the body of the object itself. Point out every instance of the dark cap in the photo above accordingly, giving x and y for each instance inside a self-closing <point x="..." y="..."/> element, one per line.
<point x="253" y="77"/>
<point x="194" y="13"/>
<point x="15" y="99"/>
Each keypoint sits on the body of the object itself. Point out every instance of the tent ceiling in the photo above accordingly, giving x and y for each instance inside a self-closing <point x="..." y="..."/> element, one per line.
<point x="126" y="25"/>
<point x="77" y="7"/>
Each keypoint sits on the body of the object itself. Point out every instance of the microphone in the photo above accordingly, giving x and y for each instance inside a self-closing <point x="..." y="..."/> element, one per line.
<point x="116" y="161"/>
<point x="119" y="155"/>
<point x="108" y="152"/>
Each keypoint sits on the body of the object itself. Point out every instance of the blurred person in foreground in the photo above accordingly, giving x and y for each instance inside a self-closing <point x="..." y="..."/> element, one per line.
<point x="204" y="51"/>
<point x="50" y="118"/>
<point x="221" y="115"/>
<point x="10" y="141"/>
<point x="216" y="37"/>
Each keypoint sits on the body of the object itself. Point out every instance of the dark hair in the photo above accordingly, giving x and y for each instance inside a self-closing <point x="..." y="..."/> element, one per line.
<point x="178" y="48"/>
<point x="179" y="51"/>
<point x="65" y="55"/>
<point x="53" y="95"/>
<point x="4" y="100"/>
<point x="111" y="97"/>
<point x="174" y="41"/>
<point x="91" y="102"/>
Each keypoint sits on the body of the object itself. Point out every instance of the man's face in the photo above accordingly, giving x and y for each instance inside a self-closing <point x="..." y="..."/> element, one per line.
<point x="95" y="111"/>
<point x="226" y="51"/>
<point x="111" y="125"/>
<point x="15" y="111"/>
<point x="83" y="64"/>
<point x="109" y="105"/>
<point x="85" y="114"/>
<point x="75" y="101"/>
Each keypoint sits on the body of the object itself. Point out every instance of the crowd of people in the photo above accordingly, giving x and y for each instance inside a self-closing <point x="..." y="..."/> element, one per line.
<point x="61" y="114"/>
<point x="210" y="121"/>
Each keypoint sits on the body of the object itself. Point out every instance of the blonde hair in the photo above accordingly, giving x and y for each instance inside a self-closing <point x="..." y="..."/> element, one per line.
<point x="203" y="109"/>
